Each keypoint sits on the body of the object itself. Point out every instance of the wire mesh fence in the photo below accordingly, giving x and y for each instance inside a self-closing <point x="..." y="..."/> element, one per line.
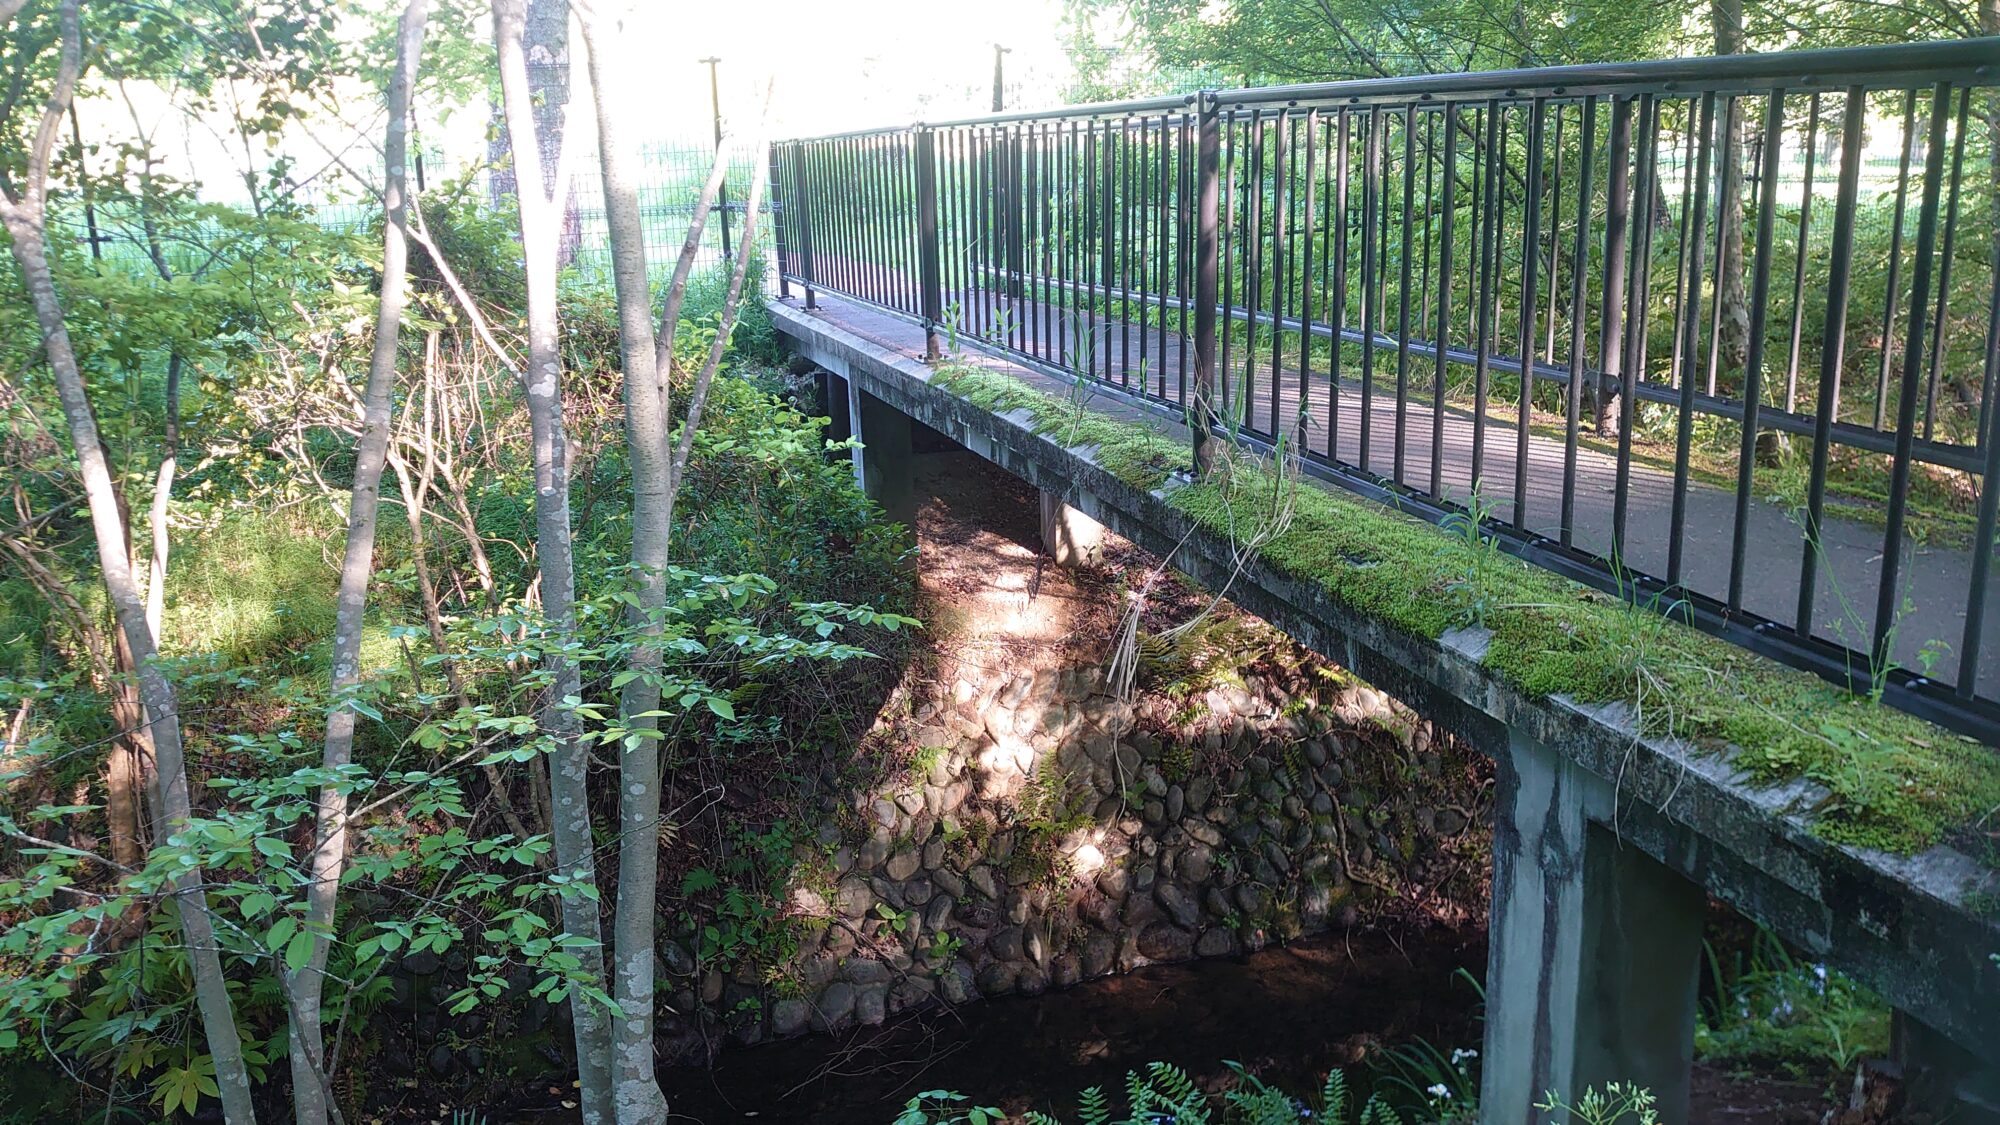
<point x="672" y="177"/>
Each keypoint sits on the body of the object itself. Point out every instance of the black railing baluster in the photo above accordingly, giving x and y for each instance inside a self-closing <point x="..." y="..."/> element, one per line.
<point x="1944" y="266"/>
<point x="1555" y="237"/>
<point x="1617" y="221"/>
<point x="1280" y="163"/>
<point x="1127" y="210"/>
<point x="1207" y="265"/>
<point x="1107" y="238"/>
<point x="1888" y="598"/>
<point x="1753" y="364"/>
<point x="1371" y="203"/>
<point x="1403" y="302"/>
<point x="1637" y="298"/>
<point x="1162" y="252"/>
<point x="1449" y="207"/>
<point x="1684" y="419"/>
<point x="1531" y="254"/>
<point x="927" y="242"/>
<point x="1337" y="302"/>
<point x="1579" y="293"/>
<point x="1799" y="264"/>
<point x="1482" y="335"/>
<point x="1253" y="262"/>
<point x="1310" y="286"/>
<point x="1833" y="349"/>
<point x="1892" y="291"/>
<point x="1180" y="145"/>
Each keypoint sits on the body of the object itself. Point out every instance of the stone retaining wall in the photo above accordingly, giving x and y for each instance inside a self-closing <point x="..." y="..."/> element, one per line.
<point x="1041" y="832"/>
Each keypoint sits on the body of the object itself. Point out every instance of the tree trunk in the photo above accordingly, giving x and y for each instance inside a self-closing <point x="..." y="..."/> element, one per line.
<point x="128" y="763"/>
<point x="545" y="45"/>
<point x="163" y="491"/>
<point x="570" y="762"/>
<point x="1733" y="330"/>
<point x="637" y="1098"/>
<point x="24" y="218"/>
<point x="305" y="982"/>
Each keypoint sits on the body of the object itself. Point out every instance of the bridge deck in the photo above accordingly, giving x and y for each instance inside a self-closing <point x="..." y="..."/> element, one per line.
<point x="1936" y="577"/>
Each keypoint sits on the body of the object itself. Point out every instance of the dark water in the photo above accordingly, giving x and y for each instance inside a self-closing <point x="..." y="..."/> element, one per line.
<point x="1286" y="1013"/>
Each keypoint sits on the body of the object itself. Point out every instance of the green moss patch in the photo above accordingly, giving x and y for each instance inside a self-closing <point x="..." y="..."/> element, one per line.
<point x="1131" y="453"/>
<point x="1893" y="781"/>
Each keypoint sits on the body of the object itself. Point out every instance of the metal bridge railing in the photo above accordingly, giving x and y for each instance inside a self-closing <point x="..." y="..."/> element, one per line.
<point x="1746" y="307"/>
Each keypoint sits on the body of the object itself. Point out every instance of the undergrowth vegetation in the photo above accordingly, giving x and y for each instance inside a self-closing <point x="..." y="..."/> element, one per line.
<point x="1164" y="1094"/>
<point x="783" y="630"/>
<point x="1770" y="1008"/>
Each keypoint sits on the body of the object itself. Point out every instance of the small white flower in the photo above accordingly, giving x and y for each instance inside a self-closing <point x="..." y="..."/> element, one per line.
<point x="1439" y="1091"/>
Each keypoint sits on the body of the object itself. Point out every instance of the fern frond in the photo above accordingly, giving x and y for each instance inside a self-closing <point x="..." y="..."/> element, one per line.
<point x="1379" y="1112"/>
<point x="1095" y="1107"/>
<point x="1333" y="1097"/>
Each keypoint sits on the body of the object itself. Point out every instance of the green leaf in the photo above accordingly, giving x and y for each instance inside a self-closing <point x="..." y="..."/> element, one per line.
<point x="298" y="950"/>
<point x="722" y="707"/>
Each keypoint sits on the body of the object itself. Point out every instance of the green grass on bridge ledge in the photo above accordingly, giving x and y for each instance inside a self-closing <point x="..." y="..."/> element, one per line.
<point x="1893" y="781"/>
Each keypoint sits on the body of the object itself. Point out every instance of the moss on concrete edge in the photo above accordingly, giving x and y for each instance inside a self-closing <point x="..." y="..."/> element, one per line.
<point x="1892" y="781"/>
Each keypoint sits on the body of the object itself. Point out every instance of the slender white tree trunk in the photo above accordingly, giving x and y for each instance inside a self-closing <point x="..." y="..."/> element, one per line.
<point x="636" y="1091"/>
<point x="163" y="492"/>
<point x="24" y="216"/>
<point x="305" y="982"/>
<point x="570" y="762"/>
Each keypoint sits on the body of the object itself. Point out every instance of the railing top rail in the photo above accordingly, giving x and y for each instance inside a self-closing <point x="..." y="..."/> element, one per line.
<point x="1824" y="68"/>
<point x="1167" y="104"/>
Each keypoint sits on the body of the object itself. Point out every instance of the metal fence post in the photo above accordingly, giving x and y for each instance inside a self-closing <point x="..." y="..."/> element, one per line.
<point x="802" y="223"/>
<point x="928" y="273"/>
<point x="778" y="218"/>
<point x="1208" y="152"/>
<point x="722" y="189"/>
<point x="1617" y="213"/>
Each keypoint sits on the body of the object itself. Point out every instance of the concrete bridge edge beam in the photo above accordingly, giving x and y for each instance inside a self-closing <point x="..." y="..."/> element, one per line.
<point x="1594" y="947"/>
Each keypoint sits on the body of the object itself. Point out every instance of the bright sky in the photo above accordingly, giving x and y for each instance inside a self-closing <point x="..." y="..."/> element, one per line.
<point x="838" y="66"/>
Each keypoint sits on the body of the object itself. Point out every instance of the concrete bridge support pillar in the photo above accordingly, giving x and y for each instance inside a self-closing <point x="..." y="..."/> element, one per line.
<point x="1070" y="537"/>
<point x="883" y="463"/>
<point x="1593" y="952"/>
